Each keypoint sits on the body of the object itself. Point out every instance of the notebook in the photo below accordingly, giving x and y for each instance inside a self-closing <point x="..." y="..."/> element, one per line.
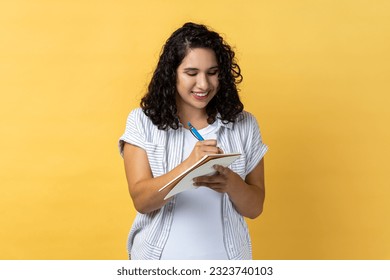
<point x="203" y="167"/>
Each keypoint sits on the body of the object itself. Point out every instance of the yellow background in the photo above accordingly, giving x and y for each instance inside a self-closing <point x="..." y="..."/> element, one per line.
<point x="316" y="76"/>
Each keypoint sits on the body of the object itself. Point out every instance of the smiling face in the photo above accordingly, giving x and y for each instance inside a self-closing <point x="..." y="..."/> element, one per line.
<point x="197" y="80"/>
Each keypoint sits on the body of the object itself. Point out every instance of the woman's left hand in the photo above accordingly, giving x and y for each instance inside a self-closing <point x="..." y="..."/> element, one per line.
<point x="224" y="181"/>
<point x="246" y="195"/>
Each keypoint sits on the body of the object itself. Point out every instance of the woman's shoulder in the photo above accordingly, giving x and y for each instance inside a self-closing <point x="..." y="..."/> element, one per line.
<point x="138" y="115"/>
<point x="246" y="118"/>
<point x="245" y="124"/>
<point x="139" y="121"/>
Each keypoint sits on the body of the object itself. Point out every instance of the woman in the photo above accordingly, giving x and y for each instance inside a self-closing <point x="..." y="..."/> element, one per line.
<point x="194" y="81"/>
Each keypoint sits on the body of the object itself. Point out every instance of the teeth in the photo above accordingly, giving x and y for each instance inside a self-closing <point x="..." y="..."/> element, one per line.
<point x="201" y="94"/>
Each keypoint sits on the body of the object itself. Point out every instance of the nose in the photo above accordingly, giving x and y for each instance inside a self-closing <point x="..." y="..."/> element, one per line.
<point x="202" y="81"/>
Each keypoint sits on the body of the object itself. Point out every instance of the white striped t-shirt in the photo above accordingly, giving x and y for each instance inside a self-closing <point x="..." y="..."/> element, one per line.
<point x="164" y="149"/>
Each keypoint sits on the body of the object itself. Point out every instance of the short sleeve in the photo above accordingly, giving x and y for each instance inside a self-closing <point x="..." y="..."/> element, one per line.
<point x="255" y="146"/>
<point x="134" y="132"/>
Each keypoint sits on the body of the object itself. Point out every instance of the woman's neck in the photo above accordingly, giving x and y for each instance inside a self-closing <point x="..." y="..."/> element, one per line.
<point x="197" y="118"/>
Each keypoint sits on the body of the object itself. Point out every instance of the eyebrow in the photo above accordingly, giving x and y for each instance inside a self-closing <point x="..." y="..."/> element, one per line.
<point x="196" y="69"/>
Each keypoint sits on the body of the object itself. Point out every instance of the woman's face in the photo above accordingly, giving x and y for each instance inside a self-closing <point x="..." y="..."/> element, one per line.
<point x="197" y="80"/>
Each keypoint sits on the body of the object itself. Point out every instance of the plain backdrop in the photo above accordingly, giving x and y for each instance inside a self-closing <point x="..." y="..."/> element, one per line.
<point x="316" y="76"/>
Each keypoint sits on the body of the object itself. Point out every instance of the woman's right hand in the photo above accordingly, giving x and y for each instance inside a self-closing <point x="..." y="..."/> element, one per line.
<point x="143" y="187"/>
<point x="202" y="148"/>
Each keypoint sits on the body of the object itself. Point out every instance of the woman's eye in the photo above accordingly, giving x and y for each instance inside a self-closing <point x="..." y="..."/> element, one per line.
<point x="213" y="73"/>
<point x="191" y="74"/>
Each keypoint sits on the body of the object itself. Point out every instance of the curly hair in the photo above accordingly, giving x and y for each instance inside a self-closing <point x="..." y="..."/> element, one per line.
<point x="159" y="103"/>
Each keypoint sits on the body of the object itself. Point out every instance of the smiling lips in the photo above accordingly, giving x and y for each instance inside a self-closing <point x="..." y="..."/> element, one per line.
<point x="200" y="94"/>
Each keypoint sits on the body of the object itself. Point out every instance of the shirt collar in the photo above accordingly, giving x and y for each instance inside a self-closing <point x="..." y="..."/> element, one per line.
<point x="221" y="123"/>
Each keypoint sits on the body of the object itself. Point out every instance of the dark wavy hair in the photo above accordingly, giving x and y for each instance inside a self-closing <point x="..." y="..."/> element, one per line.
<point x="159" y="103"/>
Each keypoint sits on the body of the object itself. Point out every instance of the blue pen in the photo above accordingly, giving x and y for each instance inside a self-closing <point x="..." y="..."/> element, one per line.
<point x="195" y="132"/>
